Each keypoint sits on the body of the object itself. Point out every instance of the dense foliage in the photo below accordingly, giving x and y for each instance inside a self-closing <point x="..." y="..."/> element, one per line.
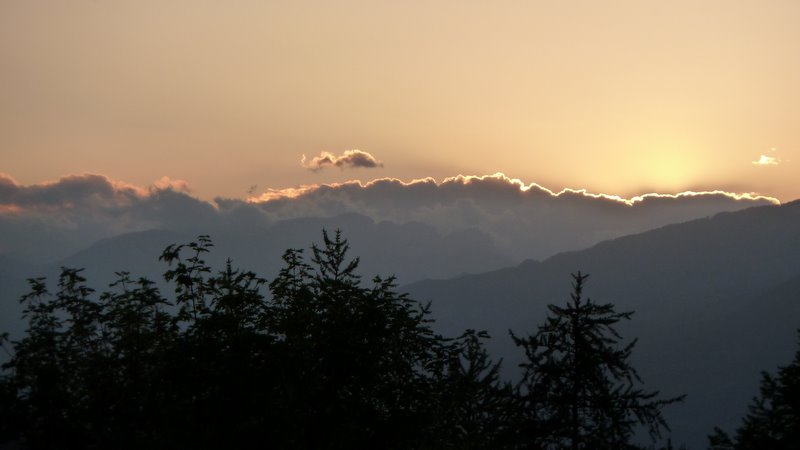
<point x="316" y="358"/>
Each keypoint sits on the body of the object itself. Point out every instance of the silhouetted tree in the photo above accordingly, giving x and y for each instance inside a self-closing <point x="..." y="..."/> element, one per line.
<point x="579" y="389"/>
<point x="473" y="408"/>
<point x="314" y="359"/>
<point x="773" y="418"/>
<point x="367" y="370"/>
<point x="720" y="440"/>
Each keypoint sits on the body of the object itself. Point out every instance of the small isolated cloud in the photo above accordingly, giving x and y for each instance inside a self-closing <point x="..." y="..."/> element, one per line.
<point x="348" y="159"/>
<point x="765" y="160"/>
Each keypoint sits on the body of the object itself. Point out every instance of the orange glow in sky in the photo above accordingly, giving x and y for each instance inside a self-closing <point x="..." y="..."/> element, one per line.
<point x="623" y="97"/>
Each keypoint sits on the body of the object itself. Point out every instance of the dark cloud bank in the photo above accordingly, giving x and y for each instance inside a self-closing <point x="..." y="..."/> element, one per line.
<point x="524" y="221"/>
<point x="50" y="220"/>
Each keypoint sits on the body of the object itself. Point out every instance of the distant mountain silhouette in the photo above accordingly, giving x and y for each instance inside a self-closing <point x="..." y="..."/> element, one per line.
<point x="412" y="251"/>
<point x="717" y="300"/>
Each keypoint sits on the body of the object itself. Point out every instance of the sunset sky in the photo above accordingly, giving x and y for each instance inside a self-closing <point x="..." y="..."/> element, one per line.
<point x="622" y="97"/>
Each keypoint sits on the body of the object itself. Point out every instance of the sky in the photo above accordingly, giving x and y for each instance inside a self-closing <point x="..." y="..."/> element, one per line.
<point x="238" y="98"/>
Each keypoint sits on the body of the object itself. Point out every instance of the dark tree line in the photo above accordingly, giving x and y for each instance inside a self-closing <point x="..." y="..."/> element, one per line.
<point x="317" y="358"/>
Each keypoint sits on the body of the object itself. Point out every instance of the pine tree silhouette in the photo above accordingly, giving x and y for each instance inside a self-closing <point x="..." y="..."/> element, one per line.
<point x="579" y="389"/>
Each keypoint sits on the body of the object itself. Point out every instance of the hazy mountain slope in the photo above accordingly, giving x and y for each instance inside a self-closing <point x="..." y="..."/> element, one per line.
<point x="133" y="252"/>
<point x="411" y="251"/>
<point x="712" y="303"/>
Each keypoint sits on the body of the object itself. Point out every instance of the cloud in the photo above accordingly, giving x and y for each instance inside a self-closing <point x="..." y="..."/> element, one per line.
<point x="49" y="220"/>
<point x="525" y="220"/>
<point x="348" y="159"/>
<point x="69" y="192"/>
<point x="765" y="160"/>
<point x="497" y="184"/>
<point x="84" y="192"/>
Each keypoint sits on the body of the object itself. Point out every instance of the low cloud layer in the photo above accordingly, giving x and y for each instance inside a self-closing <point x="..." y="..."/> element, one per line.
<point x="49" y="220"/>
<point x="348" y="159"/>
<point x="46" y="221"/>
<point x="525" y="220"/>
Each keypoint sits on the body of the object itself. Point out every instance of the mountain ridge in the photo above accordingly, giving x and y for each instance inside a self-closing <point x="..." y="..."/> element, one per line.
<point x="695" y="288"/>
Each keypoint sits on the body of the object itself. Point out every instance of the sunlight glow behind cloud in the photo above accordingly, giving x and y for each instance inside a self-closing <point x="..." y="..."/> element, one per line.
<point x="292" y="193"/>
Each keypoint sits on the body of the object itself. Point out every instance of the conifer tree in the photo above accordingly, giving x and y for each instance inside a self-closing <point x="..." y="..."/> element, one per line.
<point x="579" y="389"/>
